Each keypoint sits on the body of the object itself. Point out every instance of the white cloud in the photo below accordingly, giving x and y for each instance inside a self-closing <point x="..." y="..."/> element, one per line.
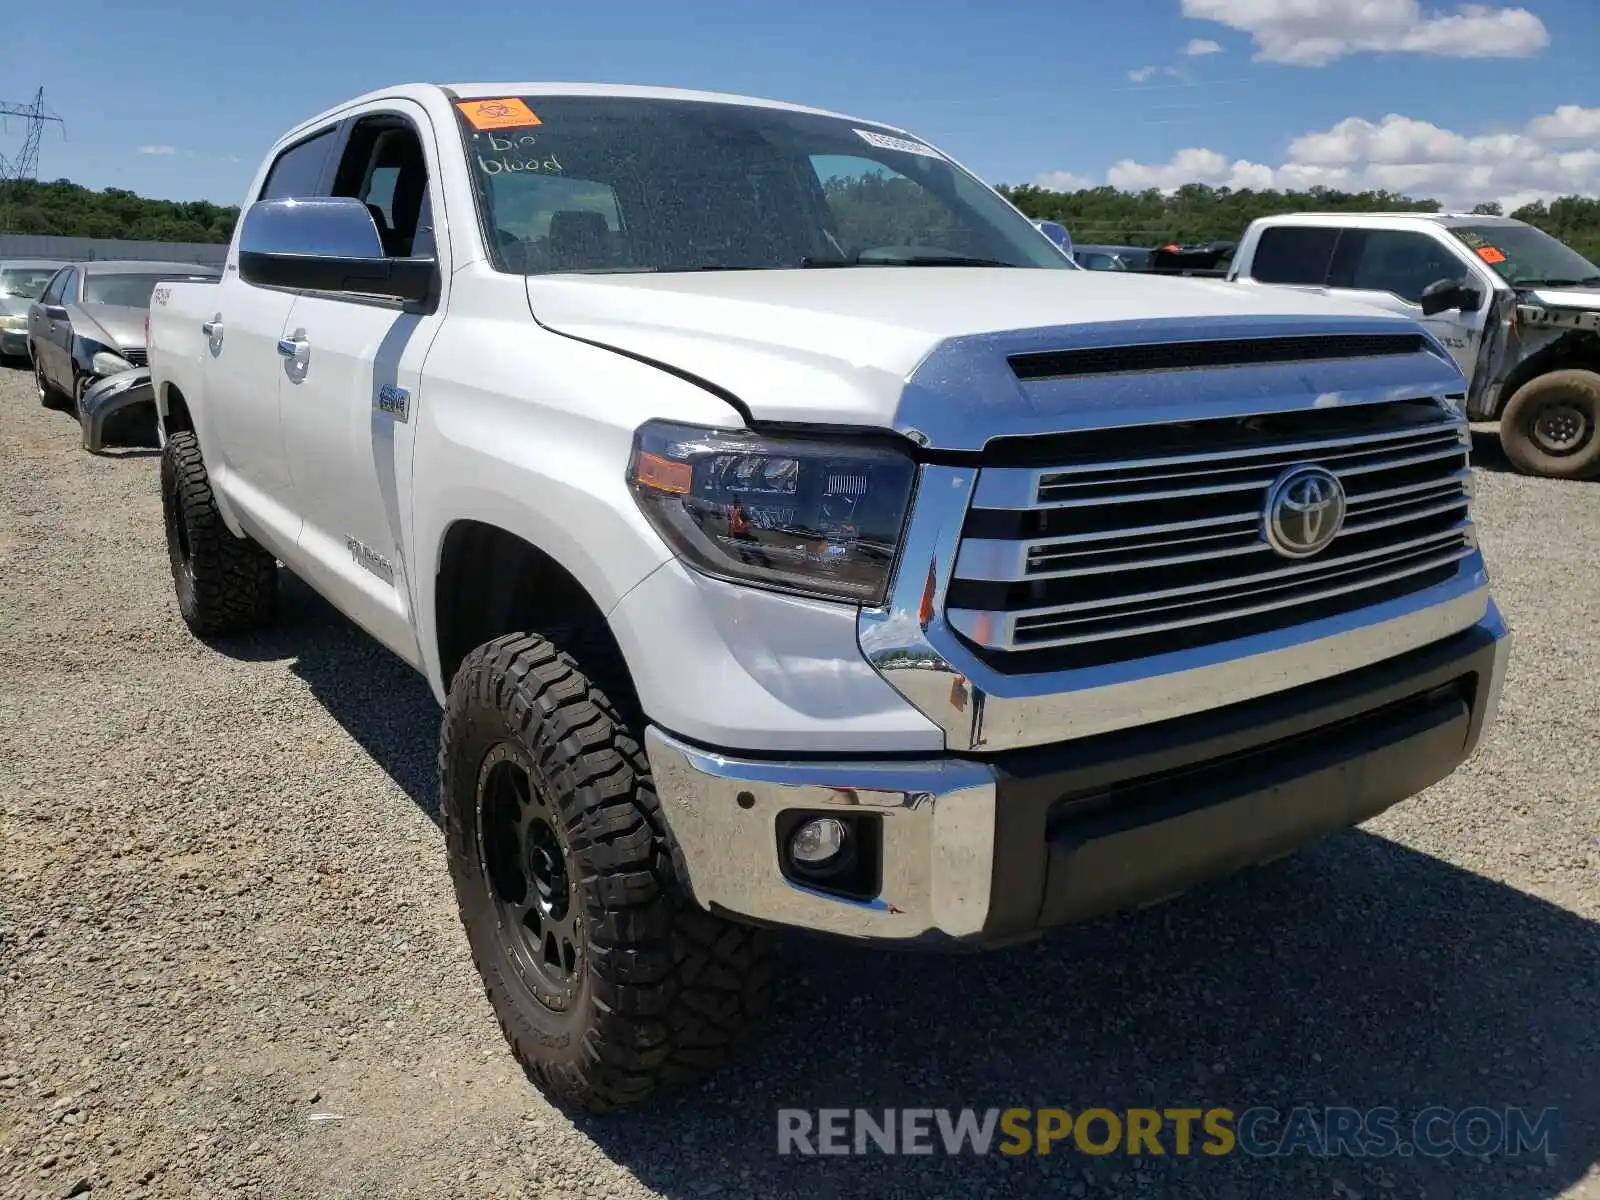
<point x="1312" y="33"/>
<point x="158" y="150"/>
<point x="1140" y="74"/>
<point x="1546" y="158"/>
<point x="1065" y="181"/>
<point x="1191" y="165"/>
<point x="1199" y="46"/>
<point x="1568" y="123"/>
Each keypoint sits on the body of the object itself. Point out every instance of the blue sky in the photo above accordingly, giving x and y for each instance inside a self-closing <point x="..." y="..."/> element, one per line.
<point x="1491" y="101"/>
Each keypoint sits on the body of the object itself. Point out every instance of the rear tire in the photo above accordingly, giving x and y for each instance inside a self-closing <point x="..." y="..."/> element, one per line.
<point x="607" y="980"/>
<point x="1551" y="426"/>
<point x="224" y="584"/>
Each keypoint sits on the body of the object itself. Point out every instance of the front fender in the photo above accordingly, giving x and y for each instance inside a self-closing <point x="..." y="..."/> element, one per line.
<point x="531" y="432"/>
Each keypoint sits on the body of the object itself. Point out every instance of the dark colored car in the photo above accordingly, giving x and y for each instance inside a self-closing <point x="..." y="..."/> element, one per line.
<point x="22" y="280"/>
<point x="89" y="323"/>
<point x="1111" y="258"/>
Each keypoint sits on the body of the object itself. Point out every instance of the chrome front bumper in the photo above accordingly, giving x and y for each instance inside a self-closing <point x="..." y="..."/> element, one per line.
<point x="984" y="852"/>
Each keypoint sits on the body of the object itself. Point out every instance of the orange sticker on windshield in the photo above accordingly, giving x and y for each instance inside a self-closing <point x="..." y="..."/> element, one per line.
<point x="1490" y="255"/>
<point x="497" y="114"/>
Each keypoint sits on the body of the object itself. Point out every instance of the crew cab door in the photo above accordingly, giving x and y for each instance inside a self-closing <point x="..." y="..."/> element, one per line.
<point x="349" y="408"/>
<point x="1389" y="268"/>
<point x="245" y="375"/>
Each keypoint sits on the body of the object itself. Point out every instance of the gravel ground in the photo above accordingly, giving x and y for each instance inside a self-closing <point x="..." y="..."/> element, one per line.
<point x="230" y="961"/>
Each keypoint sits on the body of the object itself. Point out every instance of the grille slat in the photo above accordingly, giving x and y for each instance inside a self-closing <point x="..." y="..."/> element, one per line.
<point x="1132" y="547"/>
<point x="1302" y="595"/>
<point x="138" y="358"/>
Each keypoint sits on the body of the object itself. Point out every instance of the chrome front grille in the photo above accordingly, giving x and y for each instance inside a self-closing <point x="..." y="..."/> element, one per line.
<point x="138" y="358"/>
<point x="1144" y="540"/>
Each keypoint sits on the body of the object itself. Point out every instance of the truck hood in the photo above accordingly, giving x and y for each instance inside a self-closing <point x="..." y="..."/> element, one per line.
<point x="839" y="346"/>
<point x="110" y="325"/>
<point x="1586" y="299"/>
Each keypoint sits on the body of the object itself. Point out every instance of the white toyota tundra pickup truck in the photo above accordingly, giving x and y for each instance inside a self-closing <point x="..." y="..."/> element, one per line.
<point x="794" y="537"/>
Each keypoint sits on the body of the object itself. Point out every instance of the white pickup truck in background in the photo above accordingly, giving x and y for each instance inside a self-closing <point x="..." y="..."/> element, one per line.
<point x="1518" y="309"/>
<point x="795" y="537"/>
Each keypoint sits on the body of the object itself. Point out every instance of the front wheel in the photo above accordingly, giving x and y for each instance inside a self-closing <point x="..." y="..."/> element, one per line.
<point x="224" y="584"/>
<point x="1551" y="427"/>
<point x="607" y="980"/>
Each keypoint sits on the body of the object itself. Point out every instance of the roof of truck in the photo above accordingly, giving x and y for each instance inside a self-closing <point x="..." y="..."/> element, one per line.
<point x="482" y="91"/>
<point x="1383" y="218"/>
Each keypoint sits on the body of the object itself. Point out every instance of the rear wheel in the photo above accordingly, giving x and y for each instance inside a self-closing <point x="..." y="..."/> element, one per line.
<point x="224" y="584"/>
<point x="1551" y="427"/>
<point x="607" y="980"/>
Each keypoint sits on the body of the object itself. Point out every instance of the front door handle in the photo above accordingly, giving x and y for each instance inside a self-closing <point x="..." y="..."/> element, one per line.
<point x="212" y="328"/>
<point x="292" y="347"/>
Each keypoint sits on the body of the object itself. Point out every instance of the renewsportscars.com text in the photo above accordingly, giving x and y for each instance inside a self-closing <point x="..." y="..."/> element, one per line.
<point x="1258" y="1131"/>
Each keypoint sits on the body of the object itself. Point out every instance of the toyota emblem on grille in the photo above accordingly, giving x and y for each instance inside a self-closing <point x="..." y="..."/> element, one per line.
<point x="1304" y="511"/>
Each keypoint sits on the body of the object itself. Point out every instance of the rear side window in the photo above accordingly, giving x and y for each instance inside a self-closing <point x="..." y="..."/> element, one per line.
<point x="1290" y="254"/>
<point x="299" y="170"/>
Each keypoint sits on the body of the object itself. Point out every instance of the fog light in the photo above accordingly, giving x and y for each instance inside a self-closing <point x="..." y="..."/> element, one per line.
<point x="817" y="842"/>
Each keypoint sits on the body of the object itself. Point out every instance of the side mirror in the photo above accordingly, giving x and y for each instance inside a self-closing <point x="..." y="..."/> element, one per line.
<point x="327" y="244"/>
<point x="55" y="312"/>
<point x="1445" y="294"/>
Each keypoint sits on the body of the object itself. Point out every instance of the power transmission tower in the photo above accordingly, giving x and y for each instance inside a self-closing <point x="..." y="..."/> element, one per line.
<point x="24" y="165"/>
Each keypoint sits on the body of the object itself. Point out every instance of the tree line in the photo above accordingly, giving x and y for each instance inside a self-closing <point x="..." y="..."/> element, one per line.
<point x="1193" y="213"/>
<point x="1198" y="213"/>
<point x="66" y="209"/>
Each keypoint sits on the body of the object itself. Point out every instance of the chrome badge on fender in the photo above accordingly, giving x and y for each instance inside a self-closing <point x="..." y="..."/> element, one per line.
<point x="395" y="401"/>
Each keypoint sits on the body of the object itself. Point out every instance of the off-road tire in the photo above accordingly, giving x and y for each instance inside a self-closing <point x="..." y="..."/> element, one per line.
<point x="663" y="990"/>
<point x="224" y="584"/>
<point x="1575" y="391"/>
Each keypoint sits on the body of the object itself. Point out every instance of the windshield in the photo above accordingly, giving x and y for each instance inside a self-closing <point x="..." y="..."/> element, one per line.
<point x="1527" y="256"/>
<point x="128" y="291"/>
<point x="25" y="282"/>
<point x="620" y="184"/>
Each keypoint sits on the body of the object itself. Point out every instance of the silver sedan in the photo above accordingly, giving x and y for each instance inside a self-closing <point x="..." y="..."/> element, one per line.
<point x="90" y="321"/>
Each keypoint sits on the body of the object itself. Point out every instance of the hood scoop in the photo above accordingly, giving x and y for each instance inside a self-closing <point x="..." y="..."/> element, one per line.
<point x="1231" y="352"/>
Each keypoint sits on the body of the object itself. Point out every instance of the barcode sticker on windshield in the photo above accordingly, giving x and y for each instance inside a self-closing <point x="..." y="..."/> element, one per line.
<point x="885" y="142"/>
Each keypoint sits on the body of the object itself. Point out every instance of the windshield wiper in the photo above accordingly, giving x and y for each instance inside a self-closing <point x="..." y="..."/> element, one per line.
<point x="937" y="260"/>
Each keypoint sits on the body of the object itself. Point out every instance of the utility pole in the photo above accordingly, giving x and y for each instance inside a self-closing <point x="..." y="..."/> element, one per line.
<point x="24" y="165"/>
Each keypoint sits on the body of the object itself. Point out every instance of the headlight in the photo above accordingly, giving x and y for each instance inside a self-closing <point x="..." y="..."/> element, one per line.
<point x="13" y="321"/>
<point x="107" y="363"/>
<point x="816" y="518"/>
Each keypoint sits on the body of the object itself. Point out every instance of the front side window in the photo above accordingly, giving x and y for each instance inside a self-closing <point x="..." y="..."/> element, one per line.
<point x="25" y="283"/>
<point x="1294" y="254"/>
<point x="131" y="290"/>
<point x="1395" y="261"/>
<point x="621" y="184"/>
<point x="1526" y="256"/>
<point x="384" y="167"/>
